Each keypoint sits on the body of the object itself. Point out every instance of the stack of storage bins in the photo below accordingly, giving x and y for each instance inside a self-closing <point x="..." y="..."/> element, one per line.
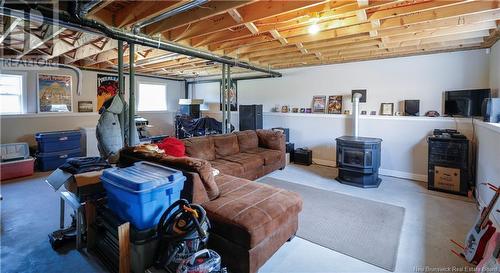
<point x="138" y="194"/>
<point x="15" y="161"/>
<point x="55" y="147"/>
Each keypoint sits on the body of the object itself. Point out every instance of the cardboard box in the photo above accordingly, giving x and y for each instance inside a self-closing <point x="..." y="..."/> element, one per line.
<point x="447" y="178"/>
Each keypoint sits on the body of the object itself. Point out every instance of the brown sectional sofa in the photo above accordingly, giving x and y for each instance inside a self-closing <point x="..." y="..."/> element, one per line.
<point x="250" y="220"/>
<point x="246" y="154"/>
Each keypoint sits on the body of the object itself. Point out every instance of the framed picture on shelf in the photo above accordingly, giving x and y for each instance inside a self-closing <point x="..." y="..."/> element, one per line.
<point x="54" y="93"/>
<point x="319" y="104"/>
<point x="363" y="112"/>
<point x="85" y="106"/>
<point x="387" y="109"/>
<point x="284" y="109"/>
<point x="373" y="113"/>
<point x="335" y="105"/>
<point x="360" y="91"/>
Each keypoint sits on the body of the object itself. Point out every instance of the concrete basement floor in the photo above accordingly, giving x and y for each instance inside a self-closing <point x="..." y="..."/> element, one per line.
<point x="30" y="210"/>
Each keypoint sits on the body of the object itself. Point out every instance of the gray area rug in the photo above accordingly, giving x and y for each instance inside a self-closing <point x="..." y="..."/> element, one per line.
<point x="360" y="228"/>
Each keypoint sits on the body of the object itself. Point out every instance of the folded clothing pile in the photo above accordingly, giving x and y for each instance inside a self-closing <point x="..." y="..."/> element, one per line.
<point x="78" y="165"/>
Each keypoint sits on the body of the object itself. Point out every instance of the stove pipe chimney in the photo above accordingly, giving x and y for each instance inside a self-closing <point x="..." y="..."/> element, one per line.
<point x="355" y="113"/>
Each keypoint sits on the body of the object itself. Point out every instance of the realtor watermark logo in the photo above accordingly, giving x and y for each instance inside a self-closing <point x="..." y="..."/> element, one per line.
<point x="28" y="64"/>
<point x="28" y="38"/>
<point x="484" y="269"/>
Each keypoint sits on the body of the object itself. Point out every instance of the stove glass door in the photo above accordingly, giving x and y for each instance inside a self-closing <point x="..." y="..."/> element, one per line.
<point x="359" y="158"/>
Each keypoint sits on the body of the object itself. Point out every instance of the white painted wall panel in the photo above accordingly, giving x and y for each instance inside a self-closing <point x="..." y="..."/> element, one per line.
<point x="423" y="77"/>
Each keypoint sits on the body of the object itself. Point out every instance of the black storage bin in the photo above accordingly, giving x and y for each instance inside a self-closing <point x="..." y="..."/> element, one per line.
<point x="302" y="156"/>
<point x="143" y="243"/>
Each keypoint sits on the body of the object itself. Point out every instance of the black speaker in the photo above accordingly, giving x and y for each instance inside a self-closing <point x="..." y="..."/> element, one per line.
<point x="491" y="110"/>
<point x="250" y="117"/>
<point x="412" y="107"/>
<point x="192" y="110"/>
<point x="302" y="156"/>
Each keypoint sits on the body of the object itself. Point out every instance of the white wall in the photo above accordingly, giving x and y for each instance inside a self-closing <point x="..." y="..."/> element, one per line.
<point x="495" y="68"/>
<point x="390" y="80"/>
<point x="488" y="162"/>
<point x="18" y="128"/>
<point x="488" y="143"/>
<point x="404" y="151"/>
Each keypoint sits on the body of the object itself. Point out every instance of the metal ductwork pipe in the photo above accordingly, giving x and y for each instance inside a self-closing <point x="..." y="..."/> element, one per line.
<point x="89" y="5"/>
<point x="76" y="22"/>
<point x="355" y="114"/>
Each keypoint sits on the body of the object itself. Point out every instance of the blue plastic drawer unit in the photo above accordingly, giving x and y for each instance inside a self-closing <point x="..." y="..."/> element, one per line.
<point x="49" y="142"/>
<point x="52" y="161"/>
<point x="141" y="193"/>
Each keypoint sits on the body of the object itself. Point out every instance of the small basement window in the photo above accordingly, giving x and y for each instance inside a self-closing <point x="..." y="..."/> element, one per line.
<point x="11" y="94"/>
<point x="152" y="97"/>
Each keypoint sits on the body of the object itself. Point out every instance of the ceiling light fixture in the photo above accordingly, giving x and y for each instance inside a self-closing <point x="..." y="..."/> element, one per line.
<point x="314" y="19"/>
<point x="313" y="29"/>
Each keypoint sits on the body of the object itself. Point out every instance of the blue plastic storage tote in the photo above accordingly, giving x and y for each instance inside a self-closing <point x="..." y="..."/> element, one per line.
<point x="141" y="193"/>
<point x="52" y="161"/>
<point x="49" y="142"/>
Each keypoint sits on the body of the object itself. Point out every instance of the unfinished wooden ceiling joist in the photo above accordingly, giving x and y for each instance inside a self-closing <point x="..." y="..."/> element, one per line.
<point x="275" y="34"/>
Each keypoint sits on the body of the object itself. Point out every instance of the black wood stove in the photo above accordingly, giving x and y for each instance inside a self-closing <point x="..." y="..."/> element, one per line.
<point x="358" y="158"/>
<point x="358" y="161"/>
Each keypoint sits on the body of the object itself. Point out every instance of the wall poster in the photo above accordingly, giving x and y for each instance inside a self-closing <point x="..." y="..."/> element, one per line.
<point x="54" y="93"/>
<point x="107" y="86"/>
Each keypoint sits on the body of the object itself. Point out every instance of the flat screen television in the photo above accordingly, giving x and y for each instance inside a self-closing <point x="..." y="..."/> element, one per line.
<point x="465" y="103"/>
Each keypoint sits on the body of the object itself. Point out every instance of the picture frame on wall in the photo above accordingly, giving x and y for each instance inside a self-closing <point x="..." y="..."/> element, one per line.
<point x="319" y="104"/>
<point x="233" y="96"/>
<point x="85" y="106"/>
<point x="387" y="109"/>
<point x="54" y="93"/>
<point x="335" y="105"/>
<point x="360" y="91"/>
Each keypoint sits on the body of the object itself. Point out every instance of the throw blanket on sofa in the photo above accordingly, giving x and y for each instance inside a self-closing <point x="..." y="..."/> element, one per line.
<point x="189" y="164"/>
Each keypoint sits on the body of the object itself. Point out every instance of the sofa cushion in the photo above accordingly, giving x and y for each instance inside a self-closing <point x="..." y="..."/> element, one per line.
<point x="228" y="167"/>
<point x="269" y="156"/>
<point x="269" y="139"/>
<point x="248" y="212"/>
<point x="249" y="162"/>
<point x="200" y="147"/>
<point x="225" y="145"/>
<point x="247" y="140"/>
